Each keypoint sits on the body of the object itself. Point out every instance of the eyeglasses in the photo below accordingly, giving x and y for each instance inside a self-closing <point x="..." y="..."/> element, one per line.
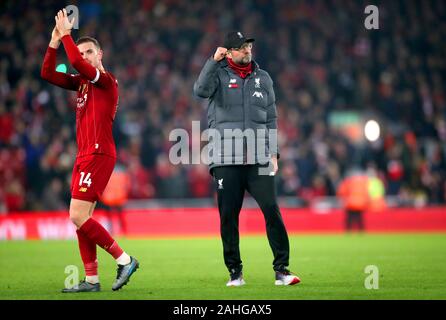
<point x="243" y="46"/>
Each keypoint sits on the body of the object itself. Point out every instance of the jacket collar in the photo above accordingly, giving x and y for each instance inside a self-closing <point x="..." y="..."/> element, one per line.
<point x="224" y="64"/>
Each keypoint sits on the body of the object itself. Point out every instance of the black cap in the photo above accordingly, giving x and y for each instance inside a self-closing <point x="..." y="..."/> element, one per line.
<point x="235" y="39"/>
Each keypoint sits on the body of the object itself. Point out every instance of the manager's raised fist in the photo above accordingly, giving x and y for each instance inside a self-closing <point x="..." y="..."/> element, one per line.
<point x="220" y="53"/>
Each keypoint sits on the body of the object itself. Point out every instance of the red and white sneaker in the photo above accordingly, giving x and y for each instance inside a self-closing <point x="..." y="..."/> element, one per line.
<point x="286" y="278"/>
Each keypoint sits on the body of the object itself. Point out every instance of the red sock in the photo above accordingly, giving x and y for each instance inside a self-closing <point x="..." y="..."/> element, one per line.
<point x="97" y="233"/>
<point x="87" y="249"/>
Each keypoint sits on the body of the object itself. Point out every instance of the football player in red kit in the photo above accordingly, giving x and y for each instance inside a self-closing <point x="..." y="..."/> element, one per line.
<point x="97" y="103"/>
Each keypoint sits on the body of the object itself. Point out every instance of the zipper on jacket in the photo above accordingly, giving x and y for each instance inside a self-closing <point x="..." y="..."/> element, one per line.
<point x="245" y="147"/>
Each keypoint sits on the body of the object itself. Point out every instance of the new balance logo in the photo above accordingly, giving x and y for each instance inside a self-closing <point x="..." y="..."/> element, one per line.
<point x="220" y="183"/>
<point x="257" y="94"/>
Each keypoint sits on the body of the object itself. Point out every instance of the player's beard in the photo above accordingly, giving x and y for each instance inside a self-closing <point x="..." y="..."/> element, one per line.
<point x="245" y="60"/>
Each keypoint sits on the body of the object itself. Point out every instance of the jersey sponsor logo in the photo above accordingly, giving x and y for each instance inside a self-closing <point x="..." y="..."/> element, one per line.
<point x="232" y="84"/>
<point x="257" y="94"/>
<point x="83" y="189"/>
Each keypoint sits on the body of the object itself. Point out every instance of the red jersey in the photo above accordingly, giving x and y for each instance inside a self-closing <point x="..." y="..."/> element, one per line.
<point x="97" y="99"/>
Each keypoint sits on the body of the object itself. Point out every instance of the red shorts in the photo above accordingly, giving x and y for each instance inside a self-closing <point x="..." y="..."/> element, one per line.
<point x="90" y="176"/>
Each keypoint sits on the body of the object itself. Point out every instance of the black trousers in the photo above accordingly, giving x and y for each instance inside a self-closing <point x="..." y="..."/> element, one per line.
<point x="231" y="183"/>
<point x="354" y="217"/>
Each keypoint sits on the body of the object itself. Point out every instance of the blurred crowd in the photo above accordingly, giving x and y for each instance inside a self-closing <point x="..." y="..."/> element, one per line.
<point x="319" y="54"/>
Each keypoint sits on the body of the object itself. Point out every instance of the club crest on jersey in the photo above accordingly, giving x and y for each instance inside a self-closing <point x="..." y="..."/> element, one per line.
<point x="257" y="80"/>
<point x="81" y="101"/>
<point x="82" y="98"/>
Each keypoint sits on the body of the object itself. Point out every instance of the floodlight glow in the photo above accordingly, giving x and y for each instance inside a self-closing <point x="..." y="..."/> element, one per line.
<point x="372" y="130"/>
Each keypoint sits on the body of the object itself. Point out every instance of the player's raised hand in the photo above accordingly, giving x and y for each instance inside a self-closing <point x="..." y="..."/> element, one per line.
<point x="55" y="38"/>
<point x="55" y="35"/>
<point x="63" y="25"/>
<point x="220" y="53"/>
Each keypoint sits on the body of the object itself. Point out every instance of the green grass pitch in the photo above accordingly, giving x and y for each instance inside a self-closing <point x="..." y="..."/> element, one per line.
<point x="411" y="266"/>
